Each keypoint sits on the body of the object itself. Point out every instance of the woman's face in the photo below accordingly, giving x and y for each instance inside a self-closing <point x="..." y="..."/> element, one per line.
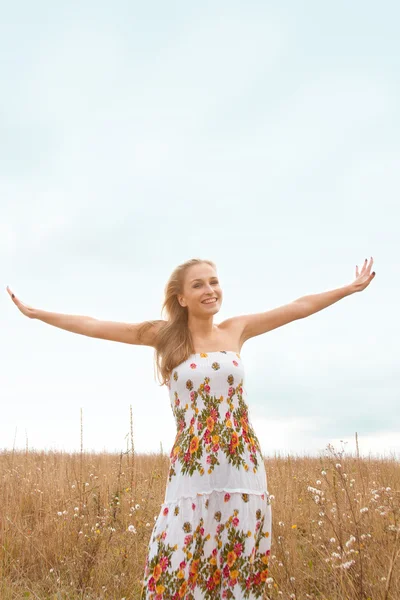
<point x="202" y="293"/>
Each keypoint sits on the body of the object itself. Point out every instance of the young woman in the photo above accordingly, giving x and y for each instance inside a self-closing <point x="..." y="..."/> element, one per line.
<point x="212" y="538"/>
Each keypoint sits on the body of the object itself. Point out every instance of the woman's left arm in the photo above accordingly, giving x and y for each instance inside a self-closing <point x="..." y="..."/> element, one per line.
<point x="248" y="326"/>
<point x="315" y="302"/>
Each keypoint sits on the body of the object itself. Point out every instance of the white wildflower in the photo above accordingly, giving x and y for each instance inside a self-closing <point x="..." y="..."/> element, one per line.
<point x="132" y="529"/>
<point x="348" y="564"/>
<point x="364" y="510"/>
<point x="315" y="490"/>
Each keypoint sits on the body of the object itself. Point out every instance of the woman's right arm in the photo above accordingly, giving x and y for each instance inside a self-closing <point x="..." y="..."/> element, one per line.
<point x="128" y="333"/>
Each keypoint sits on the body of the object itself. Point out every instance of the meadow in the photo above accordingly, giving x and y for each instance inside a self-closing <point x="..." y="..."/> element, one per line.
<point x="77" y="526"/>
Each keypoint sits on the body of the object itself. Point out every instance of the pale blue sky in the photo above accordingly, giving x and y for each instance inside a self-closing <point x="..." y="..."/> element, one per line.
<point x="263" y="136"/>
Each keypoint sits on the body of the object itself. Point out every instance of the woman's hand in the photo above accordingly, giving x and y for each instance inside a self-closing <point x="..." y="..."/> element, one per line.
<point x="364" y="278"/>
<point x="26" y="310"/>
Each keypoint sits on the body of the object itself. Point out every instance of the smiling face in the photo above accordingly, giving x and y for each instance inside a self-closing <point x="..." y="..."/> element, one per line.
<point x="201" y="292"/>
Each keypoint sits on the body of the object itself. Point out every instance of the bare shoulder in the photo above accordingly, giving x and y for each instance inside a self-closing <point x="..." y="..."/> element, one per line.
<point x="232" y="330"/>
<point x="251" y="325"/>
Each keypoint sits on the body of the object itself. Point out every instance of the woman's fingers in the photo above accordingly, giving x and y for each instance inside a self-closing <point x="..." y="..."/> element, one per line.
<point x="364" y="266"/>
<point x="10" y="292"/>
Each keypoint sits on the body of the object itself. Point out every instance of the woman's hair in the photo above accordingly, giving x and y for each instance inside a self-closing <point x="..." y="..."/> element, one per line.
<point x="173" y="343"/>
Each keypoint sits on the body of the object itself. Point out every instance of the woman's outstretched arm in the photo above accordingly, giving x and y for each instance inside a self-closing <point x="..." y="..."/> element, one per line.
<point x="128" y="333"/>
<point x="248" y="326"/>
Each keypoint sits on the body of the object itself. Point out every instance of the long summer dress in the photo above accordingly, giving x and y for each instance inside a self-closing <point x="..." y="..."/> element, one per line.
<point x="212" y="538"/>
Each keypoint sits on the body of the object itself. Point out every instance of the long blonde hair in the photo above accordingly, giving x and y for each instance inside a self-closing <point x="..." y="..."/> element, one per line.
<point x="173" y="343"/>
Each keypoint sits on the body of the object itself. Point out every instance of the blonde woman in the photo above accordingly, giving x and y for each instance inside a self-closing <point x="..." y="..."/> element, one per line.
<point x="212" y="537"/>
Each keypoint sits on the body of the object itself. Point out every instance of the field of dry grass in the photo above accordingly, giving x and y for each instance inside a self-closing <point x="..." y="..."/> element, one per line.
<point x="66" y="525"/>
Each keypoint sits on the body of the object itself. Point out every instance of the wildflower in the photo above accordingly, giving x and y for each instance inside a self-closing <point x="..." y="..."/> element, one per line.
<point x="281" y="524"/>
<point x="147" y="524"/>
<point x="137" y="506"/>
<point x="323" y="472"/>
<point x="59" y="514"/>
<point x="338" y="466"/>
<point x="364" y="510"/>
<point x="269" y="580"/>
<point x="348" y="564"/>
<point x="315" y="490"/>
<point x="318" y="482"/>
<point x="332" y="540"/>
<point x="76" y="508"/>
<point x="132" y="529"/>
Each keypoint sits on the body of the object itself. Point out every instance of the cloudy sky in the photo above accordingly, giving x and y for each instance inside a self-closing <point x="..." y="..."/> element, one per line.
<point x="263" y="136"/>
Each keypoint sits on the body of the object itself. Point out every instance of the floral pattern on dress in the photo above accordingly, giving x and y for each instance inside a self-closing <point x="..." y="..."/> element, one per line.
<point x="219" y="426"/>
<point x="227" y="570"/>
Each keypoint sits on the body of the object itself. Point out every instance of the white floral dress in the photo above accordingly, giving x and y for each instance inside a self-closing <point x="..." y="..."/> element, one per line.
<point x="212" y="538"/>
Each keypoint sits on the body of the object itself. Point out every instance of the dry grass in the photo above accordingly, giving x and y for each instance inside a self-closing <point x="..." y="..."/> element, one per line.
<point x="64" y="522"/>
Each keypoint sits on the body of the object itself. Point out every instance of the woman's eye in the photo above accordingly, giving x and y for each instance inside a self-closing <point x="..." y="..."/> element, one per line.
<point x="212" y="283"/>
